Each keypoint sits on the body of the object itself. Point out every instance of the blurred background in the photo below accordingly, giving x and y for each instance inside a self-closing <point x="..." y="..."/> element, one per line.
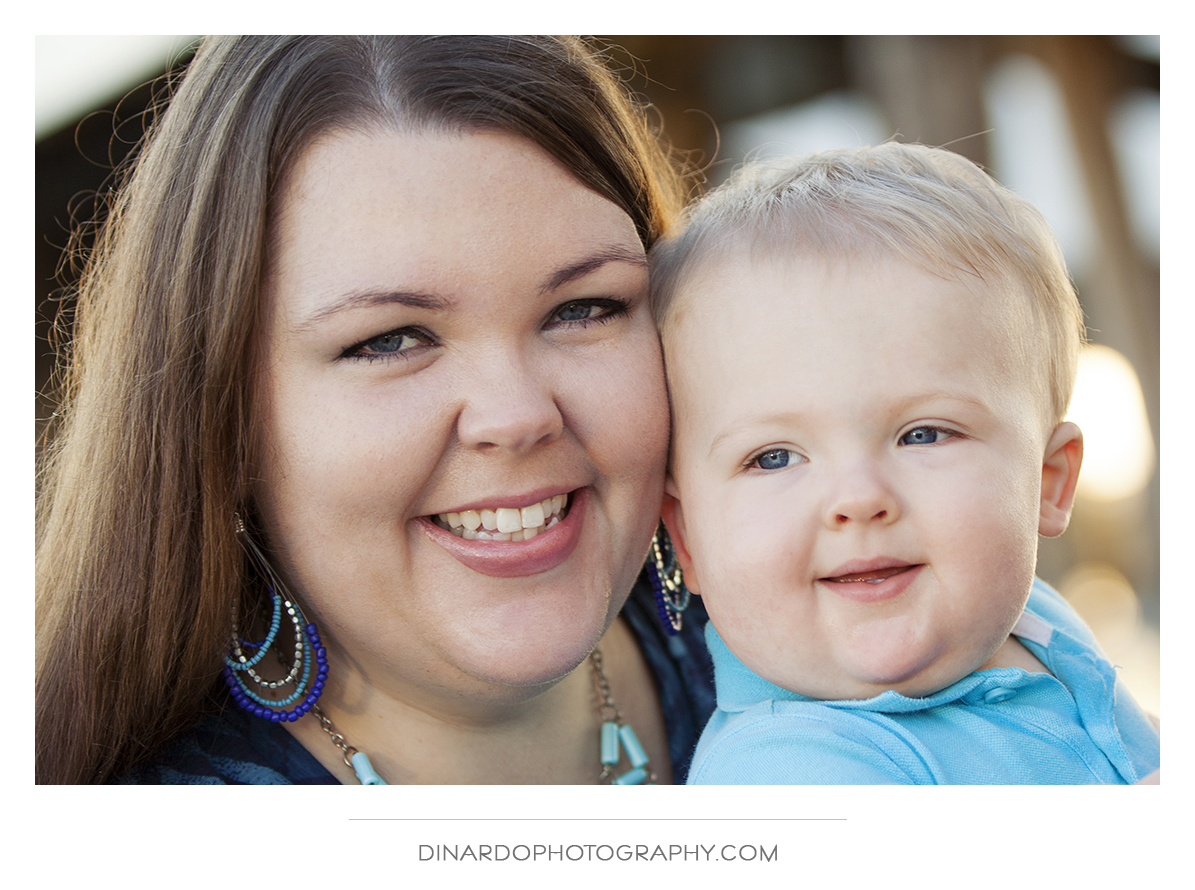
<point x="1072" y="123"/>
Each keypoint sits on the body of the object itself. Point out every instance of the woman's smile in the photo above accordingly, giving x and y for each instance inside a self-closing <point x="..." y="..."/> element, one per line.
<point x="503" y="555"/>
<point x="505" y="523"/>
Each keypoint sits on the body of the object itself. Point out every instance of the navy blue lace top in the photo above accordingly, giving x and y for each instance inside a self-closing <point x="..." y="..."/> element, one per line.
<point x="233" y="747"/>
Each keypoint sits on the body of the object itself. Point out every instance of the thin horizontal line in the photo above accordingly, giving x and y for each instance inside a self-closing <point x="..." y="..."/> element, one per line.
<point x="594" y="819"/>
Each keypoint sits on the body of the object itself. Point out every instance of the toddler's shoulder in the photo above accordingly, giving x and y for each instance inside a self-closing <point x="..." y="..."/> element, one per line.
<point x="1048" y="604"/>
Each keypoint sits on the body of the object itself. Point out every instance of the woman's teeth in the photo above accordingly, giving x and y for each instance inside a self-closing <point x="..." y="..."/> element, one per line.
<point x="505" y="523"/>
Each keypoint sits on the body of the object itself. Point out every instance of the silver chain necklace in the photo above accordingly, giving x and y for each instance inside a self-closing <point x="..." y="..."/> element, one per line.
<point x="617" y="739"/>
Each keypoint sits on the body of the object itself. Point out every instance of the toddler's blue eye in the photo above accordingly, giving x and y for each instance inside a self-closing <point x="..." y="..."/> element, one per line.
<point x="924" y="435"/>
<point x="775" y="459"/>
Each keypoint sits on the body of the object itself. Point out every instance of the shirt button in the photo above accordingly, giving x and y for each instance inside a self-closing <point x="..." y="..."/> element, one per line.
<point x="998" y="694"/>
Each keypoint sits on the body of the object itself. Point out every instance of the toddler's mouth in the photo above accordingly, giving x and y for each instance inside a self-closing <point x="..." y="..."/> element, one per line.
<point x="870" y="577"/>
<point x="506" y="523"/>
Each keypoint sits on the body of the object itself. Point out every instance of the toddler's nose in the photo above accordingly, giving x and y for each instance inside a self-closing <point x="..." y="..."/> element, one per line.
<point x="861" y="496"/>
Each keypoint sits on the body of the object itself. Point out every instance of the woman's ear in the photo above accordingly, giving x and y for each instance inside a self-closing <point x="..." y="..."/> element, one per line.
<point x="674" y="520"/>
<point x="1059" y="476"/>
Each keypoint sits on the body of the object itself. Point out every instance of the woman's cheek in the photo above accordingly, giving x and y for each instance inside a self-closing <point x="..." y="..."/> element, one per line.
<point x="628" y="405"/>
<point x="631" y="412"/>
<point x="654" y="397"/>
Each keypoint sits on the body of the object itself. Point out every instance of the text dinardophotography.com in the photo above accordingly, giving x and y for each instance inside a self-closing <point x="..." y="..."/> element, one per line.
<point x="450" y="853"/>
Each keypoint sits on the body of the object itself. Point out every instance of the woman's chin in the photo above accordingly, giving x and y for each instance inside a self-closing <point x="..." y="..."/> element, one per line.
<point x="531" y="651"/>
<point x="522" y="668"/>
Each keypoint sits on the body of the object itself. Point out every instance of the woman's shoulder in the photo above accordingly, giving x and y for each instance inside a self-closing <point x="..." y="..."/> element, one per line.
<point x="231" y="747"/>
<point x="683" y="670"/>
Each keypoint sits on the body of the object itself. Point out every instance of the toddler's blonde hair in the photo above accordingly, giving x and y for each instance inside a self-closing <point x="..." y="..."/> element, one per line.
<point x="928" y="206"/>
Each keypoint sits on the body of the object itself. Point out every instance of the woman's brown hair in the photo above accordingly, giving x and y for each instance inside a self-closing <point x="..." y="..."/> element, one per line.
<point x="137" y="565"/>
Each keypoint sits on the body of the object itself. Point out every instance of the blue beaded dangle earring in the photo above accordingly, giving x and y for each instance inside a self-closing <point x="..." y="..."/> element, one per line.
<point x="666" y="582"/>
<point x="308" y="653"/>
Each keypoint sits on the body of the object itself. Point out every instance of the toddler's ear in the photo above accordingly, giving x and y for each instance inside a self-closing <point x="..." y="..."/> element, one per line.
<point x="674" y="519"/>
<point x="1059" y="475"/>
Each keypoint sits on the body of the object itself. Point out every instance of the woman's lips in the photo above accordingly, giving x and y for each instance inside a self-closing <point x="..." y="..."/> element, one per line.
<point x="516" y="559"/>
<point x="865" y="584"/>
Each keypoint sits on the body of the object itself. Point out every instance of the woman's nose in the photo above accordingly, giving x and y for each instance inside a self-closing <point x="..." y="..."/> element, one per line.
<point x="861" y="495"/>
<point x="510" y="406"/>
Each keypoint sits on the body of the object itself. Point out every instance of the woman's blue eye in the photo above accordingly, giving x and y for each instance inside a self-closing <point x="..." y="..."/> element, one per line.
<point x="577" y="312"/>
<point x="391" y="343"/>
<point x="584" y="311"/>
<point x="924" y="435"/>
<point x="395" y="343"/>
<point x="776" y="459"/>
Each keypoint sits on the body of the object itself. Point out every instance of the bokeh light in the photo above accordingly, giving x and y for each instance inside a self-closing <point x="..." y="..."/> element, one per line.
<point x="1118" y="448"/>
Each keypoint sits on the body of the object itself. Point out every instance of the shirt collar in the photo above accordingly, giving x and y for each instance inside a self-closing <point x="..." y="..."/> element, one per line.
<point x="738" y="687"/>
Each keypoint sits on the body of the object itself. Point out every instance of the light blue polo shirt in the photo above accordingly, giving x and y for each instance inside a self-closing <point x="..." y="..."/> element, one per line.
<point x="1000" y="726"/>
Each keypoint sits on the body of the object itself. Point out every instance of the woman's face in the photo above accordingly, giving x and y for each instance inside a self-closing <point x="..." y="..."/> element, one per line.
<point x="456" y="329"/>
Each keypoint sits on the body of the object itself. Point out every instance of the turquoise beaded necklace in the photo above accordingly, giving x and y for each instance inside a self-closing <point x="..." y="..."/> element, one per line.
<point x="617" y="738"/>
<point x="615" y="731"/>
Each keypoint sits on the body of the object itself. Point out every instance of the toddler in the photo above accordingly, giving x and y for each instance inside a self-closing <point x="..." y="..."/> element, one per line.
<point x="870" y="354"/>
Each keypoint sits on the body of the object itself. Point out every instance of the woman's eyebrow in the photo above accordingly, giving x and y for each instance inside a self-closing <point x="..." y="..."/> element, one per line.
<point x="419" y="300"/>
<point x="581" y="268"/>
<point x="361" y="299"/>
